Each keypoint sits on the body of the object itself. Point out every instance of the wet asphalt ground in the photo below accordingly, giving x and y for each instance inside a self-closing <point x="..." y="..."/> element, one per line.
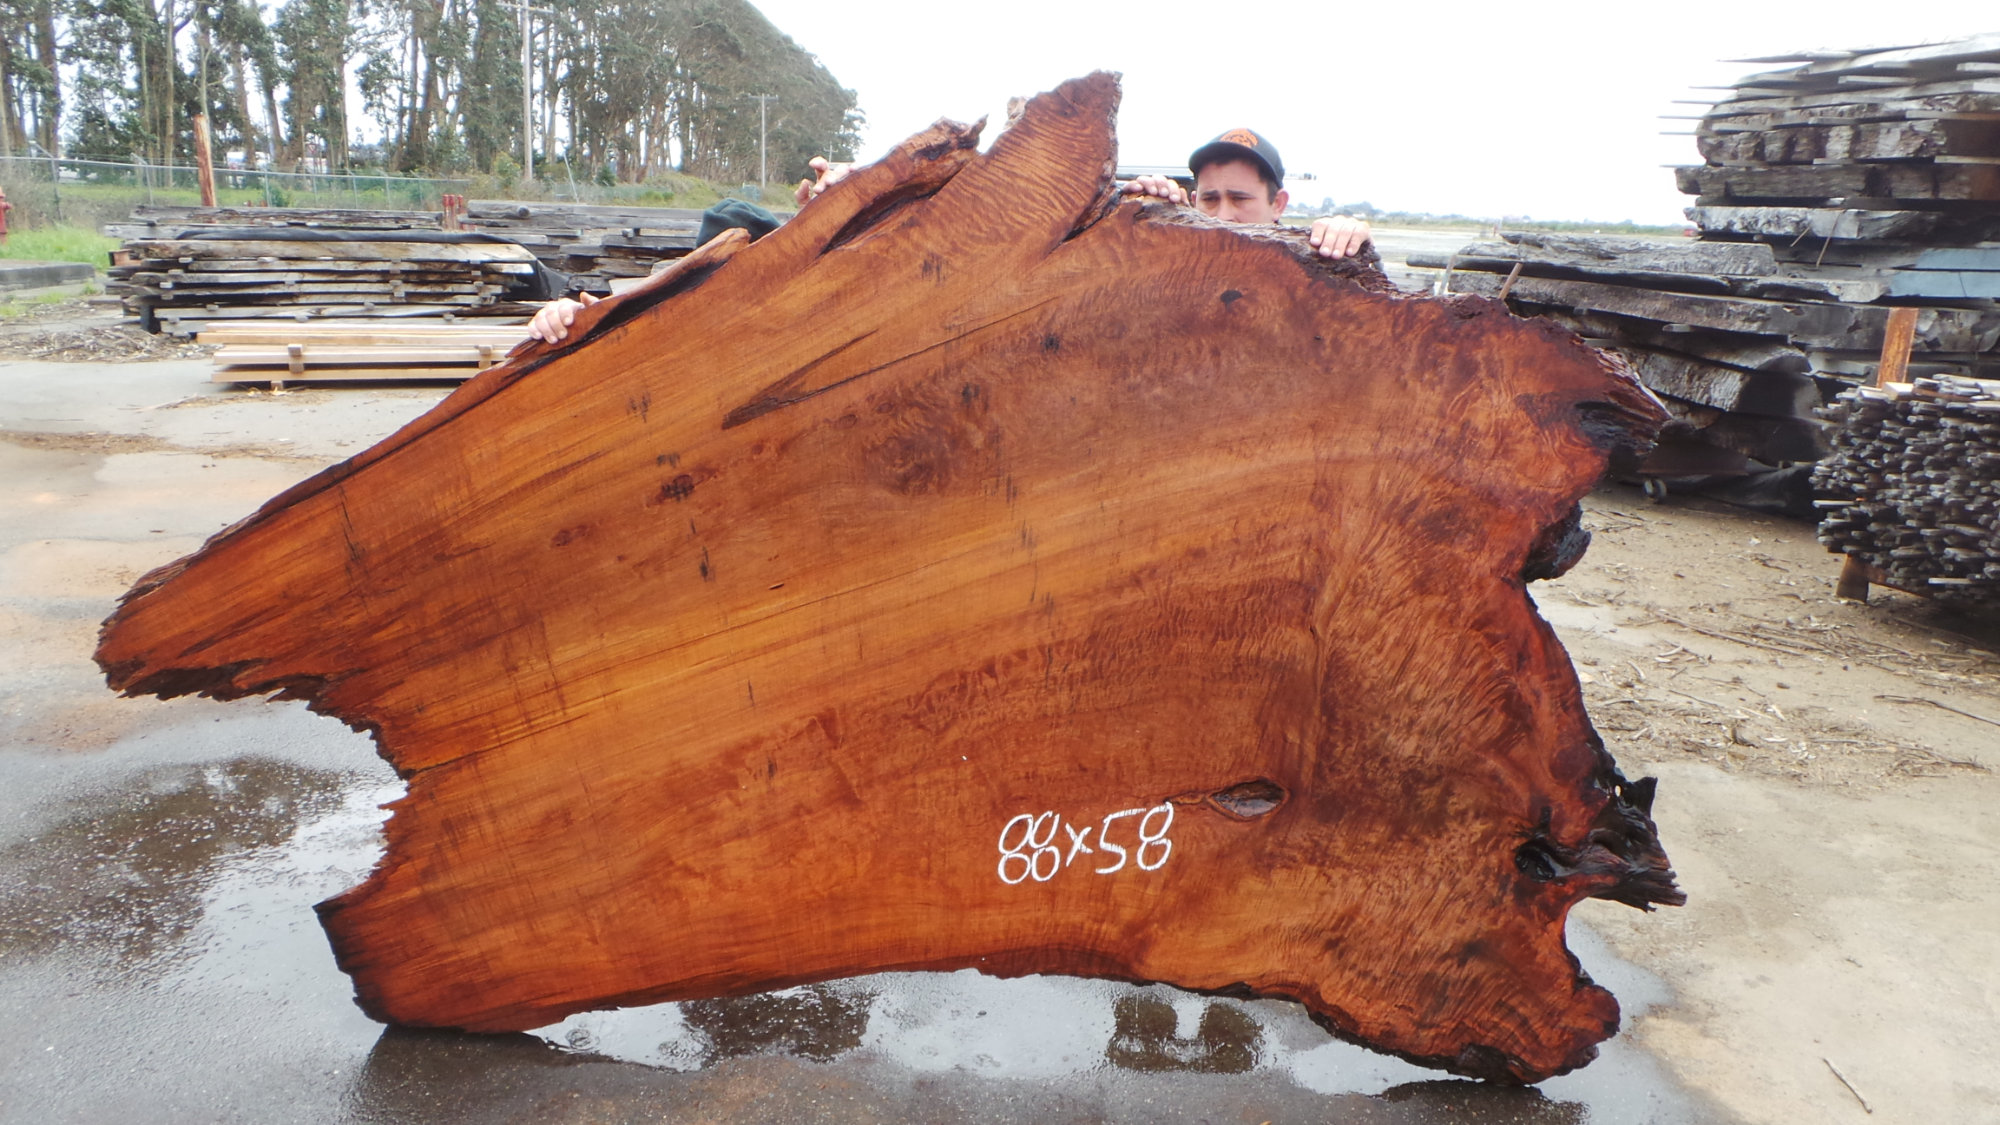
<point x="160" y="960"/>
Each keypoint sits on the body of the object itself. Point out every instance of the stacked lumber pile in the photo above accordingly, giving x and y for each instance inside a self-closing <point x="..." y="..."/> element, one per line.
<point x="176" y="285"/>
<point x="1915" y="473"/>
<point x="593" y="246"/>
<point x="1831" y="191"/>
<point x="279" y="352"/>
<point x="169" y="221"/>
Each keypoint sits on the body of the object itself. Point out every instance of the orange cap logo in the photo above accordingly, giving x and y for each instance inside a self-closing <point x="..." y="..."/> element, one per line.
<point x="1242" y="137"/>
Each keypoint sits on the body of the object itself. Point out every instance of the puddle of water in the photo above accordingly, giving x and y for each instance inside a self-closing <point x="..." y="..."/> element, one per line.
<point x="1073" y="1031"/>
<point x="125" y="875"/>
<point x="159" y="958"/>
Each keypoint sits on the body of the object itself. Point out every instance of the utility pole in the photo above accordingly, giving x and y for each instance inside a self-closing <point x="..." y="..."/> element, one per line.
<point x="763" y="130"/>
<point x="527" y="88"/>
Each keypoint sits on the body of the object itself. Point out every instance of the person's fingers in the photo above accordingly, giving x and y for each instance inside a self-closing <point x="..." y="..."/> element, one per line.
<point x="1159" y="187"/>
<point x="1357" y="235"/>
<point x="803" y="192"/>
<point x="1338" y="237"/>
<point x="551" y="323"/>
<point x="587" y="298"/>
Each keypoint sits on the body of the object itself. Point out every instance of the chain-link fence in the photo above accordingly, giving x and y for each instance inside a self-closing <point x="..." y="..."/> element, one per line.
<point x="90" y="193"/>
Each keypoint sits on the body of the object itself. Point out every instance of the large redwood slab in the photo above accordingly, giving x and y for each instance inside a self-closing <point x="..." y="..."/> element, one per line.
<point x="979" y="571"/>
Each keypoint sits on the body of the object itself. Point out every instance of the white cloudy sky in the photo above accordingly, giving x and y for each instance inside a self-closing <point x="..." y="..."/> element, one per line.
<point x="1531" y="108"/>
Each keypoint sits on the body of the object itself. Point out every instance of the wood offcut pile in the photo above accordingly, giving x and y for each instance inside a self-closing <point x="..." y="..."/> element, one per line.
<point x="788" y="622"/>
<point x="1831" y="191"/>
<point x="1917" y="467"/>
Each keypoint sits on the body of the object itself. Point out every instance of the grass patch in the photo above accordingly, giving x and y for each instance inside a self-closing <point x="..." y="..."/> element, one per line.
<point x="59" y="244"/>
<point x="13" y="307"/>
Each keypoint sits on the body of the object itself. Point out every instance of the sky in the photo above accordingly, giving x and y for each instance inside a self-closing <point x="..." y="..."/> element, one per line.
<point x="1503" y="109"/>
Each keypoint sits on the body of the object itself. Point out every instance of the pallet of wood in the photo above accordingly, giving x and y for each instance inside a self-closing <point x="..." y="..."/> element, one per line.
<point x="278" y="353"/>
<point x="1913" y="485"/>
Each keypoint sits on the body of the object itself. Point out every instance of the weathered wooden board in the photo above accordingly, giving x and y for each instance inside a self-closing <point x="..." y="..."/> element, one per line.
<point x="1722" y="387"/>
<point x="1872" y="141"/>
<point x="1499" y="257"/>
<point x="1817" y="323"/>
<point x="1728" y="117"/>
<point x="1900" y="62"/>
<point x="977" y="572"/>
<point x="1679" y="255"/>
<point x="1816" y="222"/>
<point x="1956" y="93"/>
<point x="379" y="250"/>
<point x="1975" y="182"/>
<point x="1945" y="284"/>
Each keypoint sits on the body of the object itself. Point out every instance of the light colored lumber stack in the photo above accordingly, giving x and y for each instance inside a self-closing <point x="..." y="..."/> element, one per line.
<point x="278" y="352"/>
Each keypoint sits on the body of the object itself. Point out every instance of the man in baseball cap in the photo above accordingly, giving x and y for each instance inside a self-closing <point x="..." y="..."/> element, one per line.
<point x="1239" y="178"/>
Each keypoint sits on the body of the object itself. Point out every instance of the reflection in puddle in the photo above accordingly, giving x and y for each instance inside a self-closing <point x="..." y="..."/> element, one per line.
<point x="124" y="874"/>
<point x="1225" y="1040"/>
<point x="1063" y="1028"/>
<point x="815" y="1022"/>
<point x="1457" y="1100"/>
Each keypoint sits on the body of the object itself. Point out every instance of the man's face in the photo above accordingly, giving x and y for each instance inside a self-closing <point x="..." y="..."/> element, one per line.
<point x="1232" y="191"/>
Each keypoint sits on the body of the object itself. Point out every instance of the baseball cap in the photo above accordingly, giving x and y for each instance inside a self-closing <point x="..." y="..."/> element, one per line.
<point x="736" y="213"/>
<point x="1240" y="144"/>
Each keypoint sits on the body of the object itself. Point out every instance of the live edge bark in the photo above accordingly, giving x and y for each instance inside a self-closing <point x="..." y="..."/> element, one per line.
<point x="979" y="571"/>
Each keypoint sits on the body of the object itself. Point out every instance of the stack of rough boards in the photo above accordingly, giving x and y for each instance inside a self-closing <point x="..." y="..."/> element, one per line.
<point x="277" y="352"/>
<point x="592" y="245"/>
<point x="176" y="285"/>
<point x="1831" y="192"/>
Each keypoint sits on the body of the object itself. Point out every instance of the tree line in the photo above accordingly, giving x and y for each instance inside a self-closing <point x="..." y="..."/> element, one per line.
<point x="622" y="89"/>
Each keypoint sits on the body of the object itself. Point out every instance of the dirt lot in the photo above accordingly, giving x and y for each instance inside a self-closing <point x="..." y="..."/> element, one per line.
<point x="1828" y="795"/>
<point x="1828" y="787"/>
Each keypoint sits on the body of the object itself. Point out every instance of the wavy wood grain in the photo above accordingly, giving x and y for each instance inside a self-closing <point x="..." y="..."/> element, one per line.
<point x="724" y="648"/>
